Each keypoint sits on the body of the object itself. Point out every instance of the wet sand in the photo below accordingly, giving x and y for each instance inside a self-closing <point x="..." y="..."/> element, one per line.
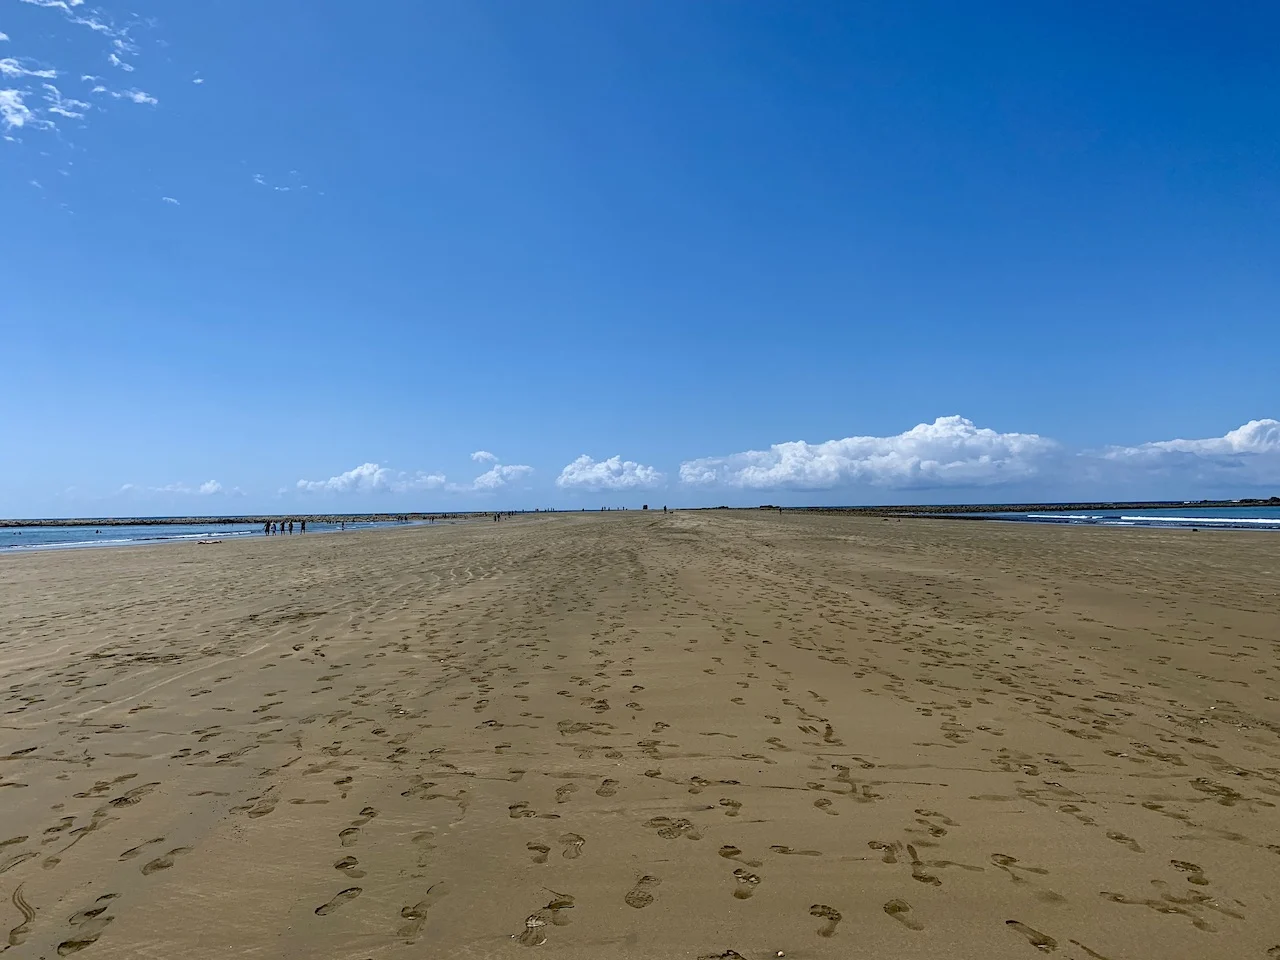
<point x="696" y="735"/>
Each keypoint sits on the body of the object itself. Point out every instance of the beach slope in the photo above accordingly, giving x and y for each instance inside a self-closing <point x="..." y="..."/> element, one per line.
<point x="702" y="735"/>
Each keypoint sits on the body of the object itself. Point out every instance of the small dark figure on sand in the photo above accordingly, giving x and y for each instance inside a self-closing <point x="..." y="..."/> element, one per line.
<point x="291" y="526"/>
<point x="303" y="526"/>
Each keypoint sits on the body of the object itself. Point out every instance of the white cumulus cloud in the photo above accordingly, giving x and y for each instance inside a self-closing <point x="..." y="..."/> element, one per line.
<point x="484" y="456"/>
<point x="951" y="451"/>
<point x="373" y="478"/>
<point x="3" y="37"/>
<point x="499" y="475"/>
<point x="1254" y="437"/>
<point x="612" y="474"/>
<point x="1247" y="455"/>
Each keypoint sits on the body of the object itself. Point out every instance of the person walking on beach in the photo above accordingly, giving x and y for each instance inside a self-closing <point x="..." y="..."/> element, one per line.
<point x="303" y="525"/>
<point x="290" y="526"/>
<point x="266" y="529"/>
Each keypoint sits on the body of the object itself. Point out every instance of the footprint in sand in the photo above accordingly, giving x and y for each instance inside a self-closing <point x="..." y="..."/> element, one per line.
<point x="572" y="845"/>
<point x="900" y="910"/>
<point x="1041" y="941"/>
<point x="518" y="810"/>
<point x="539" y="851"/>
<point x="165" y="862"/>
<point x="566" y="792"/>
<point x="1124" y="840"/>
<point x="888" y="851"/>
<point x="535" y="925"/>
<point x="349" y="866"/>
<point x="823" y="804"/>
<point x="787" y="851"/>
<point x="732" y="807"/>
<point x="16" y="859"/>
<point x="730" y="852"/>
<point x="134" y="851"/>
<point x="829" y="914"/>
<point x="349" y="836"/>
<point x="263" y="807"/>
<point x="747" y="883"/>
<point x="1195" y="873"/>
<point x="130" y="797"/>
<point x="89" y="925"/>
<point x="607" y="789"/>
<point x="339" y="898"/>
<point x="669" y="829"/>
<point x="640" y="896"/>
<point x="416" y="915"/>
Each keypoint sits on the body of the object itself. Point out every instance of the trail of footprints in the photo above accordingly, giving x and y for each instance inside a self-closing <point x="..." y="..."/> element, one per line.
<point x="910" y="851"/>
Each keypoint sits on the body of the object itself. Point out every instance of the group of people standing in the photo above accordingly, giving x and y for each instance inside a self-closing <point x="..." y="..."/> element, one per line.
<point x="271" y="527"/>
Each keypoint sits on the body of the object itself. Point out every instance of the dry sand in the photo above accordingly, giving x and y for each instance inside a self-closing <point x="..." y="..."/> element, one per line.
<point x="696" y="735"/>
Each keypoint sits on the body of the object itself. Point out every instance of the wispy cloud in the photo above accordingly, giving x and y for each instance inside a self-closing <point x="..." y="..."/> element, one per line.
<point x="42" y="106"/>
<point x="612" y="474"/>
<point x="12" y="68"/>
<point x="373" y="478"/>
<point x="291" y="183"/>
<point x="14" y="113"/>
<point x="137" y="96"/>
<point x="171" y="200"/>
<point x="63" y="5"/>
<point x="206" y="489"/>
<point x="94" y="21"/>
<point x="67" y="107"/>
<point x="484" y="456"/>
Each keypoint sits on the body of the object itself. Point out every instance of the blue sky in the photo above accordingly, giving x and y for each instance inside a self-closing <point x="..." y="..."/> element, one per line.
<point x="408" y="255"/>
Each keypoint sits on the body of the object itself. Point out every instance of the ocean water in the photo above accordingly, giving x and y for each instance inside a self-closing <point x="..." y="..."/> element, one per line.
<point x="44" y="538"/>
<point x="1238" y="518"/>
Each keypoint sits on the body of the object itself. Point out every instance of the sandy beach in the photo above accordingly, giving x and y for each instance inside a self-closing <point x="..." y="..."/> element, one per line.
<point x="702" y="735"/>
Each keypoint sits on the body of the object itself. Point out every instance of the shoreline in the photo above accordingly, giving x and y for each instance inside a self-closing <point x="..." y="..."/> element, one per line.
<point x="921" y="510"/>
<point x="193" y="521"/>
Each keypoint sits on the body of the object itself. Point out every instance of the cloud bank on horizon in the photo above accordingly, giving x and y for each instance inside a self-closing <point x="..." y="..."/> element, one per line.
<point x="950" y="454"/>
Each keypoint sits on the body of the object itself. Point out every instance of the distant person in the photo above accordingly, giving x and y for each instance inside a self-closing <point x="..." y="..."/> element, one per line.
<point x="303" y="525"/>
<point x="266" y="529"/>
<point x="290" y="526"/>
